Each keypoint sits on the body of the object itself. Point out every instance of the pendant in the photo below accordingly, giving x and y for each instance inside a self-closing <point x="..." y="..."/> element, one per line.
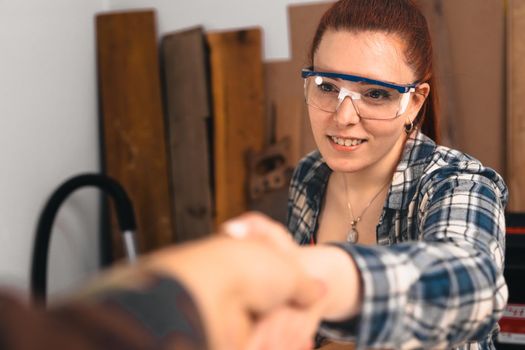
<point x="352" y="235"/>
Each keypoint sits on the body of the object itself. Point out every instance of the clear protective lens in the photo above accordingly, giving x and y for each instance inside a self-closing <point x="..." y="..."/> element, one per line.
<point x="370" y="101"/>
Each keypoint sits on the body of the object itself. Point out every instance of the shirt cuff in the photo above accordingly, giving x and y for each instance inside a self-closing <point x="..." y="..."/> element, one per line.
<point x="163" y="307"/>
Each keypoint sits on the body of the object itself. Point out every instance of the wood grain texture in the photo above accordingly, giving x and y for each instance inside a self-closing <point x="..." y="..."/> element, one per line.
<point x="472" y="70"/>
<point x="443" y="66"/>
<point x="132" y="121"/>
<point x="516" y="105"/>
<point x="188" y="113"/>
<point x="238" y="106"/>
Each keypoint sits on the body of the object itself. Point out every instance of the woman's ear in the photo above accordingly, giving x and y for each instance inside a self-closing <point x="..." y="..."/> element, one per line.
<point x="417" y="100"/>
<point x="421" y="94"/>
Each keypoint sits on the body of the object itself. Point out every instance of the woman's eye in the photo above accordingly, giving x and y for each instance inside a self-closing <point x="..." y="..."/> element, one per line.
<point x="326" y="87"/>
<point x="378" y="94"/>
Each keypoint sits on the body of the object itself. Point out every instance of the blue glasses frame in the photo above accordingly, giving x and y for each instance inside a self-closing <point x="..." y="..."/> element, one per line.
<point x="309" y="72"/>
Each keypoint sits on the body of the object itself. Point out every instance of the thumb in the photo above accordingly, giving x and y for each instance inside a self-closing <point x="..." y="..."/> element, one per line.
<point x="258" y="227"/>
<point x="308" y="291"/>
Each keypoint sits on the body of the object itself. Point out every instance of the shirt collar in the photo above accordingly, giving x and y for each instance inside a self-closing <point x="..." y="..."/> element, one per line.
<point x="412" y="164"/>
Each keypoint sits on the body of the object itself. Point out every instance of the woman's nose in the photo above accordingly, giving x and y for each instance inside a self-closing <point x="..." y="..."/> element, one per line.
<point x="347" y="113"/>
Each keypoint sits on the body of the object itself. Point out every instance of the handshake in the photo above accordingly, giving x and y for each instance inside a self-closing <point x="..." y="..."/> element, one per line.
<point x="255" y="288"/>
<point x="248" y="287"/>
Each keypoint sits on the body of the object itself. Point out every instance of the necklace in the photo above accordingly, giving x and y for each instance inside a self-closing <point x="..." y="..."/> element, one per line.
<point x="353" y="234"/>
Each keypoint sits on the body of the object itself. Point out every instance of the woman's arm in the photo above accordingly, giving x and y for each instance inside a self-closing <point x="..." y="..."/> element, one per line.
<point x="441" y="291"/>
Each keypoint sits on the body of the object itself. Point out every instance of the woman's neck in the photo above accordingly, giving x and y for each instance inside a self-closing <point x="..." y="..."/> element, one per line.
<point x="376" y="175"/>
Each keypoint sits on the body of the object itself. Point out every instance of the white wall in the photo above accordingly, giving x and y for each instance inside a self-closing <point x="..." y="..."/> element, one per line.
<point x="48" y="111"/>
<point x="223" y="14"/>
<point x="48" y="132"/>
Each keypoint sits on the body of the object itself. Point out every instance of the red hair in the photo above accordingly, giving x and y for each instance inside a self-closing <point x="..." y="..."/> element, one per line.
<point x="399" y="17"/>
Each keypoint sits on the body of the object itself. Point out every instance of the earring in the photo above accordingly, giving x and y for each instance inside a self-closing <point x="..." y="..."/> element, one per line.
<point x="409" y="127"/>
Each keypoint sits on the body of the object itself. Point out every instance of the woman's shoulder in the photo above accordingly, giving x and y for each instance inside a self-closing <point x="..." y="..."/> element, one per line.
<point x="309" y="166"/>
<point x="449" y="164"/>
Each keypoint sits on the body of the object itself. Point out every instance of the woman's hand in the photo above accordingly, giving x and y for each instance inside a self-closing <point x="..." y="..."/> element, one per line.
<point x="327" y="263"/>
<point x="256" y="226"/>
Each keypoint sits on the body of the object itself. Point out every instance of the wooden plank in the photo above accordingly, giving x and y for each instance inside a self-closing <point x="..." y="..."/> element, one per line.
<point x="285" y="105"/>
<point x="443" y="65"/>
<point x="133" y="123"/>
<point x="304" y="20"/>
<point x="516" y="105"/>
<point x="479" y="60"/>
<point x="238" y="106"/>
<point x="188" y="115"/>
<point x="476" y="69"/>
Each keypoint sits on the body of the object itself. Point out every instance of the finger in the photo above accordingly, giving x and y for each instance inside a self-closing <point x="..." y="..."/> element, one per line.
<point x="259" y="227"/>
<point x="279" y="279"/>
<point x="234" y="331"/>
<point x="285" y="328"/>
<point x="256" y="222"/>
<point x="308" y="291"/>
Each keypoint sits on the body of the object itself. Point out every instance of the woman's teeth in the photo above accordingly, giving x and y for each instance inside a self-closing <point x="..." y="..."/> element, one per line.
<point x="346" y="142"/>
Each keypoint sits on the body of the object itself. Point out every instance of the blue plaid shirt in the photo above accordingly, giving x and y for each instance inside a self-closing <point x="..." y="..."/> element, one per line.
<point x="435" y="278"/>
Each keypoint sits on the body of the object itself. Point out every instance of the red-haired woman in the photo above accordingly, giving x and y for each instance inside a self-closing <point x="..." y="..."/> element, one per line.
<point x="407" y="235"/>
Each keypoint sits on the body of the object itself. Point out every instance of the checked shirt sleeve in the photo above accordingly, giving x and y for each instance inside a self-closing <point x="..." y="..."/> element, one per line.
<point x="447" y="288"/>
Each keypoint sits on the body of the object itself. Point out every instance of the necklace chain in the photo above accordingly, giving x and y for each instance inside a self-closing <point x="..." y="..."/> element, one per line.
<point x="353" y="234"/>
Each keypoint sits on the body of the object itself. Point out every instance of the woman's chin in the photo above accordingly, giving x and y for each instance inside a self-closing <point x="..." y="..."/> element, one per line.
<point x="344" y="165"/>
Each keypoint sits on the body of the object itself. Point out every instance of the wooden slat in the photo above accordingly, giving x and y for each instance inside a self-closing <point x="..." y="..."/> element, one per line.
<point x="516" y="105"/>
<point x="237" y="91"/>
<point x="443" y="65"/>
<point x="473" y="68"/>
<point x="188" y="114"/>
<point x="132" y="121"/>
<point x="285" y="106"/>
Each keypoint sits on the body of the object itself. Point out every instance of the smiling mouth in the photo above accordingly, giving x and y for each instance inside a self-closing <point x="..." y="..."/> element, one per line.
<point x="346" y="142"/>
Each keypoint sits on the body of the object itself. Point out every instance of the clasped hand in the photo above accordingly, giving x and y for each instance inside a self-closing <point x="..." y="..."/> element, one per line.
<point x="257" y="289"/>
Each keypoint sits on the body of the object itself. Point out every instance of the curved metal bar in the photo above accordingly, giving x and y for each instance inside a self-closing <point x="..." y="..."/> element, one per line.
<point x="125" y="218"/>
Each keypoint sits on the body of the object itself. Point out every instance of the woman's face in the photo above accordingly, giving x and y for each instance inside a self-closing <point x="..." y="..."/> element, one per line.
<point x="373" y="55"/>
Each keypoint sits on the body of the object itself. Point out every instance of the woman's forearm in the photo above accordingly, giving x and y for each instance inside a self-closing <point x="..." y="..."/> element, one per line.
<point x="341" y="277"/>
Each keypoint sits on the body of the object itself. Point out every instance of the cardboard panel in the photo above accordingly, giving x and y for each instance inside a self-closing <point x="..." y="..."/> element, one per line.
<point x="304" y="20"/>
<point x="285" y="106"/>
<point x="132" y="121"/>
<point x="188" y="115"/>
<point x="284" y="85"/>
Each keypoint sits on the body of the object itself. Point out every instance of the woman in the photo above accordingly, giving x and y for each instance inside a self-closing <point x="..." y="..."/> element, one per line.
<point x="423" y="225"/>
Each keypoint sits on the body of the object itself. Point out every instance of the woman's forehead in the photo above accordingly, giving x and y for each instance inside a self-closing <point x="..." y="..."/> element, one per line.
<point x="372" y="54"/>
